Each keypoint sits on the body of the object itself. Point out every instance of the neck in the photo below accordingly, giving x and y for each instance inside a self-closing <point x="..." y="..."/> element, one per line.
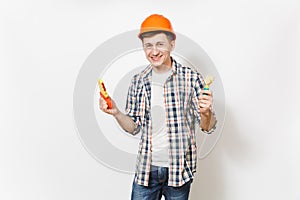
<point x="164" y="67"/>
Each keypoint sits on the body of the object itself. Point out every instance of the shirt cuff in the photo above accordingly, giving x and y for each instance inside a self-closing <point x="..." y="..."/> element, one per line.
<point x="137" y="126"/>
<point x="213" y="127"/>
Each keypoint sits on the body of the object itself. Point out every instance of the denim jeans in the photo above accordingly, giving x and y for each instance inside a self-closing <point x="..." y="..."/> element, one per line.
<point x="158" y="186"/>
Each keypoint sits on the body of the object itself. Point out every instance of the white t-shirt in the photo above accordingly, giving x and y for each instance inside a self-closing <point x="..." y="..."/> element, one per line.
<point x="160" y="139"/>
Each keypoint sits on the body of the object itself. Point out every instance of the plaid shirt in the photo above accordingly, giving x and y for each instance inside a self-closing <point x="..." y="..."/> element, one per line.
<point x="181" y="93"/>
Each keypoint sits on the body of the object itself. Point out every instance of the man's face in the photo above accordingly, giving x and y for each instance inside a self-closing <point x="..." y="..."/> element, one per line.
<point x="157" y="49"/>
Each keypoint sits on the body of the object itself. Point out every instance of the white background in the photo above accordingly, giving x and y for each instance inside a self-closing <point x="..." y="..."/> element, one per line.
<point x="255" y="46"/>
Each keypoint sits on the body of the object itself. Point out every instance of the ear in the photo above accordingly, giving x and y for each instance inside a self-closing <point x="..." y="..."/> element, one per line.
<point x="172" y="45"/>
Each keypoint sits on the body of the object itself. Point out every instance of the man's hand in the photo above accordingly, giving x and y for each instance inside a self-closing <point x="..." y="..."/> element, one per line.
<point x="104" y="107"/>
<point x="205" y="104"/>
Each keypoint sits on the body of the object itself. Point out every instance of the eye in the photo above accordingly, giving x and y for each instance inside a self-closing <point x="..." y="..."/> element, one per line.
<point x="148" y="46"/>
<point x="160" y="44"/>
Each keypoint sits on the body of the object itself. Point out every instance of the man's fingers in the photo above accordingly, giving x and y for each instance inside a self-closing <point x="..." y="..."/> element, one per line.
<point x="102" y="104"/>
<point x="206" y="93"/>
<point x="204" y="104"/>
<point x="205" y="98"/>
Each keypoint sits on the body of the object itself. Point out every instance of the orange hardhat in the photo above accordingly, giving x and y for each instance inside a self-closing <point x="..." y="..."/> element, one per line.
<point x="156" y="22"/>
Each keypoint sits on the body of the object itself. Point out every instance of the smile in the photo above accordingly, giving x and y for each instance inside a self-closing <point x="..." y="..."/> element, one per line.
<point x="156" y="58"/>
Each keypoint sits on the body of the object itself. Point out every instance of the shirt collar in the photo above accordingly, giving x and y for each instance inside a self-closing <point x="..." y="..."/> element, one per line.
<point x="174" y="66"/>
<point x="148" y="71"/>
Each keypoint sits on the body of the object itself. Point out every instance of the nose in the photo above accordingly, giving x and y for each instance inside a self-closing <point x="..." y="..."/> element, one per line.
<point x="155" y="51"/>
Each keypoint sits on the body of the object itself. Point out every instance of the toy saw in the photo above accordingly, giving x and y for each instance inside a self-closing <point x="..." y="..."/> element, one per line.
<point x="104" y="94"/>
<point x="208" y="80"/>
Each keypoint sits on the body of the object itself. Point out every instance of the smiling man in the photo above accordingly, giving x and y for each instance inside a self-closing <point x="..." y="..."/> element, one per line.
<point x="165" y="101"/>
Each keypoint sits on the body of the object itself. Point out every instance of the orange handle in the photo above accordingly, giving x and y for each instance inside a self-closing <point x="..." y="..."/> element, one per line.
<point x="104" y="94"/>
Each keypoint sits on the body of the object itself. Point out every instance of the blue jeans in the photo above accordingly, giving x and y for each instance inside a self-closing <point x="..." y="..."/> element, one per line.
<point x="158" y="186"/>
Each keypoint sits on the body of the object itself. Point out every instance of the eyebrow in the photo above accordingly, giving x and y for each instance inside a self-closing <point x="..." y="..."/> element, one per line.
<point x="155" y="43"/>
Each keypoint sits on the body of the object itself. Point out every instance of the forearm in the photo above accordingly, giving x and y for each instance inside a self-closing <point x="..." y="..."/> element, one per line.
<point x="125" y="122"/>
<point x="208" y="121"/>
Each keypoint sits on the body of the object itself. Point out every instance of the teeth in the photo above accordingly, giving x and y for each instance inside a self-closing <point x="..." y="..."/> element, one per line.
<point x="155" y="57"/>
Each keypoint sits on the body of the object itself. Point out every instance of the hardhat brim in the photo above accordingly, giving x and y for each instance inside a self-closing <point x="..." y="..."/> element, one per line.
<point x="155" y="29"/>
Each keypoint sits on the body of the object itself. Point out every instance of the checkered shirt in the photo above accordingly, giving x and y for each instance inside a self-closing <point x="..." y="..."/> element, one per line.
<point x="181" y="93"/>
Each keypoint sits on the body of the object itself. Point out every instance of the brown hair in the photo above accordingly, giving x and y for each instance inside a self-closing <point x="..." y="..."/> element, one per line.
<point x="169" y="35"/>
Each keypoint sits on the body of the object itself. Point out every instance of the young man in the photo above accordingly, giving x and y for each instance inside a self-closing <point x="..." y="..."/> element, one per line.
<point x="164" y="102"/>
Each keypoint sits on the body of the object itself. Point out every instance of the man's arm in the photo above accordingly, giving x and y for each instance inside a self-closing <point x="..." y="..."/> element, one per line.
<point x="124" y="121"/>
<point x="208" y="119"/>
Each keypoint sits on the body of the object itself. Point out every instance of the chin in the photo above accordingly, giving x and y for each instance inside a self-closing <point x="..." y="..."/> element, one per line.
<point x="156" y="64"/>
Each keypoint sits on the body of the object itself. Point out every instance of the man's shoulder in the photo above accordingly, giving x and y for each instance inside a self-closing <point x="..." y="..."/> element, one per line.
<point x="187" y="70"/>
<point x="137" y="77"/>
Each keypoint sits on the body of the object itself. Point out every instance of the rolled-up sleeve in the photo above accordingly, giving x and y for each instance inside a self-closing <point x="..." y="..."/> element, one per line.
<point x="132" y="105"/>
<point x="198" y="85"/>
